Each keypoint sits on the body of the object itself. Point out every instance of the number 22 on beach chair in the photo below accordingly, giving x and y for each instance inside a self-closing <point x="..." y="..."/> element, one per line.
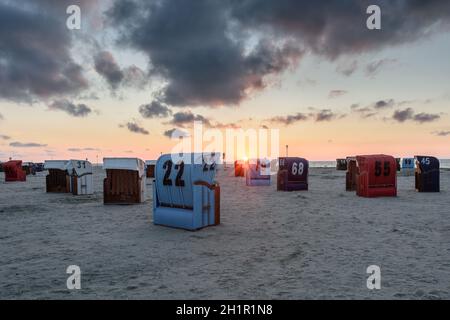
<point x="185" y="194"/>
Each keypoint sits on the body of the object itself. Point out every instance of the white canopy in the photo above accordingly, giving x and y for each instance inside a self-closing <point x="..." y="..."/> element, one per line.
<point x="150" y="162"/>
<point x="82" y="167"/>
<point x="55" y="164"/>
<point x="134" y="164"/>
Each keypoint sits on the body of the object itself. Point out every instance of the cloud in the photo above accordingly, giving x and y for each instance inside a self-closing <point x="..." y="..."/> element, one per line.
<point x="183" y="119"/>
<point x="224" y="50"/>
<point x="382" y="104"/>
<point x="334" y="28"/>
<point x="4" y="137"/>
<point x="336" y="93"/>
<point x="403" y="115"/>
<point x="154" y="110"/>
<point x="373" y="109"/>
<point x="175" y="133"/>
<point x="219" y="125"/>
<point x="134" y="127"/>
<point x="35" y="56"/>
<point x="1" y="117"/>
<point x="347" y="68"/>
<point x="26" y="145"/>
<point x="426" y="117"/>
<point x="307" y="82"/>
<point x="315" y="115"/>
<point x="324" y="115"/>
<point x="198" y="55"/>
<point x="374" y="67"/>
<point x="107" y="67"/>
<point x="441" y="133"/>
<point x="82" y="149"/>
<point x="134" y="77"/>
<point x="289" y="119"/>
<point x="76" y="110"/>
<point x="409" y="114"/>
<point x="364" y="112"/>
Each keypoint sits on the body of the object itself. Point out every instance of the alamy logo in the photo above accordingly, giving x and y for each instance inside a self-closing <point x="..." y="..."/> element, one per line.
<point x="374" y="280"/>
<point x="374" y="20"/>
<point x="74" y="280"/>
<point x="73" y="22"/>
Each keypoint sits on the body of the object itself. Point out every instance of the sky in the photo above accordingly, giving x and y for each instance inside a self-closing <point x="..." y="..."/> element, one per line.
<point x="137" y="70"/>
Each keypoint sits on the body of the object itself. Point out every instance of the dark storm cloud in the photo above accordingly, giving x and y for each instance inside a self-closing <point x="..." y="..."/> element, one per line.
<point x="26" y="145"/>
<point x="202" y="63"/>
<point x="338" y="27"/>
<point x="76" y="110"/>
<point x="35" y="59"/>
<point x="134" y="127"/>
<point x="209" y="58"/>
<point x="154" y="109"/>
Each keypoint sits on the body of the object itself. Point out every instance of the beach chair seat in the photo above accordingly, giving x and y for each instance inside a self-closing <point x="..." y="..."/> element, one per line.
<point x="150" y="168"/>
<point x="124" y="182"/>
<point x="341" y="164"/>
<point x="80" y="177"/>
<point x="257" y="172"/>
<point x="427" y="174"/>
<point x="57" y="179"/>
<point x="185" y="194"/>
<point x="377" y="176"/>
<point x="13" y="171"/>
<point x="351" y="175"/>
<point x="292" y="174"/>
<point x="239" y="170"/>
<point x="408" y="166"/>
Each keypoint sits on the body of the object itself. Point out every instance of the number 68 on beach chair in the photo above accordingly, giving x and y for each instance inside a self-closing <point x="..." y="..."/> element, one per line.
<point x="185" y="194"/>
<point x="292" y="174"/>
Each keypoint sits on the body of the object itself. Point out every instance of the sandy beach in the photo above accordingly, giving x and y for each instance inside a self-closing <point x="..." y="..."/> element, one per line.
<point x="270" y="245"/>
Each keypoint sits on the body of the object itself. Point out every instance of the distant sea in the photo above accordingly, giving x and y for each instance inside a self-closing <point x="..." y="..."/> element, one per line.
<point x="445" y="163"/>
